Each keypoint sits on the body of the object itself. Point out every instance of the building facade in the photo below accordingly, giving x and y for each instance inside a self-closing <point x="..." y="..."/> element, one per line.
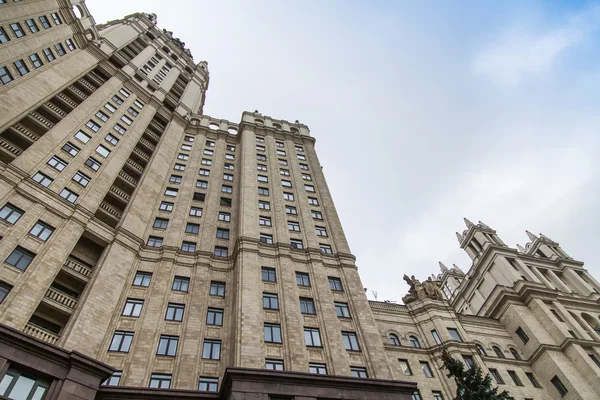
<point x="149" y="246"/>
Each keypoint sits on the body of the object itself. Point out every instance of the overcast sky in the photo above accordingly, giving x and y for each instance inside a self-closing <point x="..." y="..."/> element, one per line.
<point x="423" y="114"/>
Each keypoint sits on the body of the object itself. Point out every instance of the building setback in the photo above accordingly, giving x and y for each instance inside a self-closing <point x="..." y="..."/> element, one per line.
<point x="148" y="246"/>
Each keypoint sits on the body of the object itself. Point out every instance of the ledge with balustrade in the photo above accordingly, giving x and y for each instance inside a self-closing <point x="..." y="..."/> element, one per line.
<point x="78" y="267"/>
<point x="41" y="333"/>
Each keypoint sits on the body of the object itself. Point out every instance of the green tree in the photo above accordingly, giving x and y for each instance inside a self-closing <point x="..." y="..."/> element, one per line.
<point x="470" y="382"/>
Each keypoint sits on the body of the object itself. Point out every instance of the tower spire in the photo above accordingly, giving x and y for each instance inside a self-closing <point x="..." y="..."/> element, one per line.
<point x="520" y="248"/>
<point x="468" y="223"/>
<point x="459" y="237"/>
<point x="530" y="235"/>
<point x="443" y="267"/>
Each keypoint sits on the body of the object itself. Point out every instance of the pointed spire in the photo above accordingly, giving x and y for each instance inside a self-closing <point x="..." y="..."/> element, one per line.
<point x="530" y="235"/>
<point x="521" y="249"/>
<point x="443" y="267"/>
<point x="459" y="237"/>
<point x="468" y="223"/>
<point x="546" y="237"/>
<point x="457" y="269"/>
<point x="484" y="225"/>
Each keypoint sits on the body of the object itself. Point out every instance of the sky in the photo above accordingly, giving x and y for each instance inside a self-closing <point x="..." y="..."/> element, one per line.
<point x="423" y="113"/>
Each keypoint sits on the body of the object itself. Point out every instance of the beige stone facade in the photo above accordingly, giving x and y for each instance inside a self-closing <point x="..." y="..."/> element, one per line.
<point x="171" y="245"/>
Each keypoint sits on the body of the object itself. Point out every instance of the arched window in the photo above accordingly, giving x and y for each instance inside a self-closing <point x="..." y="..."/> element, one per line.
<point x="515" y="353"/>
<point x="394" y="340"/>
<point x="592" y="322"/>
<point x="498" y="352"/>
<point x="480" y="349"/>
<point x="415" y="342"/>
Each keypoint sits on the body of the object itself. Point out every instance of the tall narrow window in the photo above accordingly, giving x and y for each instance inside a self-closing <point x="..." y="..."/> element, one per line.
<point x="121" y="341"/>
<point x="214" y="316"/>
<point x="167" y="346"/>
<point x="272" y="333"/>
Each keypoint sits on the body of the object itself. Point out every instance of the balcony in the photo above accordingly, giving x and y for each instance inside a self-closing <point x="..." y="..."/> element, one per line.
<point x="44" y="122"/>
<point x="65" y="99"/>
<point x="152" y="135"/>
<point x="24" y="131"/>
<point x="158" y="127"/>
<point x="147" y="144"/>
<point x="111" y="210"/>
<point x="135" y="165"/>
<point x="54" y="110"/>
<point x="141" y="154"/>
<point x="9" y="148"/>
<point x="78" y="269"/>
<point x="95" y="77"/>
<point x="120" y="194"/>
<point x="40" y="333"/>
<point x="82" y="96"/>
<point x="87" y="85"/>
<point x="60" y="300"/>
<point x="128" y="178"/>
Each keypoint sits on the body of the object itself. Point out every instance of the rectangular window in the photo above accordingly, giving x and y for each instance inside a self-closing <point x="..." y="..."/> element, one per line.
<point x="281" y="153"/>
<point x="35" y="60"/>
<point x="69" y="195"/>
<point x="264" y="205"/>
<point x="288" y="196"/>
<point x="199" y="196"/>
<point x="81" y="178"/>
<point x="293" y="226"/>
<point x="335" y="284"/>
<point x="42" y="179"/>
<point x="206" y="384"/>
<point x="496" y="375"/>
<point x="192" y="229"/>
<point x="175" y="312"/>
<point x="229" y="156"/>
<point x="181" y="284"/>
<point x="103" y="151"/>
<point x="18" y="385"/>
<point x="82" y="137"/>
<point x="188" y="138"/>
<point x="160" y="223"/>
<point x="70" y="44"/>
<point x="317" y="368"/>
<point x="469" y="362"/>
<point x="17" y="30"/>
<point x="562" y="390"/>
<point x="48" y="54"/>
<point x="416" y="395"/>
<point x="272" y="333"/>
<point x="20" y="258"/>
<point x="204" y="172"/>
<point x="142" y="279"/>
<point x="405" y="367"/>
<point x="534" y="380"/>
<point x="268" y="274"/>
<point x="214" y="316"/>
<point x="56" y="18"/>
<point x="321" y="231"/>
<point x="301" y="157"/>
<point x="284" y="172"/>
<point x="227" y="177"/>
<point x="10" y="213"/>
<point x="296" y="244"/>
<point x="70" y="149"/>
<point x="350" y="341"/>
<point x="166" y="206"/>
<point x="172" y="192"/>
<point x="211" y="350"/>
<point x="557" y="315"/>
<point x="263" y="191"/>
<point x="92" y="125"/>
<point x="133" y="308"/>
<point x="275" y="365"/>
<point x="261" y="157"/>
<point x="119" y="129"/>
<point x="263" y="178"/>
<point x="134" y="113"/>
<point x="312" y="337"/>
<point x="93" y="164"/>
<point x="309" y="188"/>
<point x="217" y="288"/>
<point x="101" y="116"/>
<point x="3" y="36"/>
<point x="313" y="201"/>
<point x="302" y="279"/>
<point x="515" y="378"/>
<point x="299" y="148"/>
<point x="175" y="179"/>
<point x="201" y="184"/>
<point x="160" y="381"/>
<point x="226" y="189"/>
<point x="282" y="162"/>
<point x="225" y="217"/>
<point x="260" y="139"/>
<point x="307" y="306"/>
<point x="117" y="99"/>
<point x="260" y="148"/>
<point x="306" y="177"/>
<point x="41" y="230"/>
<point x="325" y="248"/>
<point x="454" y="334"/>
<point x="359" y="372"/>
<point x="188" y="247"/>
<point x="113" y="380"/>
<point x="228" y="166"/>
<point x="230" y="148"/>
<point x="110" y="107"/>
<point x="426" y="369"/>
<point x="436" y="337"/>
<point x="21" y="67"/>
<point x="285" y="183"/>
<point x="121" y="341"/>
<point x="522" y="335"/>
<point x="208" y="152"/>
<point x="291" y="210"/>
<point x="264" y="221"/>
<point x="154" y="241"/>
<point x="44" y="20"/>
<point x="224" y="201"/>
<point x="270" y="301"/>
<point x="167" y="346"/>
<point x="222" y="233"/>
<point x="279" y="144"/>
<point x="594" y="359"/>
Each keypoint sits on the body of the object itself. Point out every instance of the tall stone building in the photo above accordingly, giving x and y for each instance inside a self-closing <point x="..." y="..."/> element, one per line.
<point x="151" y="247"/>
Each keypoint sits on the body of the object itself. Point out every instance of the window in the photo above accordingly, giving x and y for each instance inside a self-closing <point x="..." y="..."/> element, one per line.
<point x="562" y="390"/>
<point x="350" y="341"/>
<point x="275" y="365"/>
<point x="166" y="206"/>
<point x="172" y="192"/>
<point x="20" y="258"/>
<point x="270" y="301"/>
<point x="188" y="138"/>
<point x="188" y="247"/>
<point x="426" y="369"/>
<point x="263" y="178"/>
<point x="226" y="189"/>
<point x="167" y="346"/>
<point x="56" y="18"/>
<point x="437" y="395"/>
<point x="272" y="333"/>
<point x="261" y="157"/>
<point x="228" y="166"/>
<point x="436" y="337"/>
<point x="68" y="195"/>
<point x="201" y="184"/>
<point x="416" y="395"/>
<point x="405" y="367"/>
<point x="557" y="315"/>
<point x="307" y="306"/>
<point x="321" y="231"/>
<point x="228" y="177"/>
<point x="210" y="143"/>
<point x="128" y="120"/>
<point x="221" y="251"/>
<point x="206" y="161"/>
<point x="211" y="349"/>
<point x="288" y="196"/>
<point x="103" y="151"/>
<point x="21" y="67"/>
<point x="101" y="116"/>
<point x="301" y="157"/>
<point x="3" y="36"/>
<point x="268" y="274"/>
<point x="264" y="205"/>
<point x="302" y="279"/>
<point x="454" y="334"/>
<point x="81" y="178"/>
<point x="282" y="162"/>
<point x="312" y="337"/>
<point x="222" y="233"/>
<point x="121" y="341"/>
<point x="41" y="230"/>
<point x="260" y="148"/>
<point x="192" y="229"/>
<point x="195" y="212"/>
<point x="304" y="167"/>
<point x="133" y="308"/>
<point x="92" y="125"/>
<point x="522" y="335"/>
<point x="217" y="288"/>
<point x="281" y="153"/>
<point x="480" y="350"/>
<point x="16" y="385"/>
<point x="181" y="284"/>
<point x="142" y="279"/>
<point x="17" y="30"/>
<point x="291" y="210"/>
<point x="469" y="362"/>
<point x="414" y="342"/>
<point x="263" y="191"/>
<point x="317" y="368"/>
<point x="214" y="316"/>
<point x="309" y="188"/>
<point x="154" y="241"/>
<point x="394" y="339"/>
<point x="10" y="213"/>
<point x="515" y="354"/>
<point x="279" y="144"/>
<point x="533" y="380"/>
<point x="230" y="148"/>
<point x="498" y="352"/>
<point x="49" y="54"/>
<point x="260" y="139"/>
<point x="285" y="183"/>
<point x="325" y="248"/>
<point x="117" y="99"/>
<point x="515" y="378"/>
<point x="110" y="107"/>
<point x="359" y="372"/>
<point x="70" y="149"/>
<point x="134" y="113"/>
<point x="229" y="156"/>
<point x="70" y="44"/>
<point x="119" y="129"/>
<point x="496" y="375"/>
<point x="35" y="60"/>
<point x="299" y="148"/>
<point x="114" y="379"/>
<point x="206" y="384"/>
<point x="224" y="201"/>
<point x="82" y="137"/>
<point x="293" y="226"/>
<point x="335" y="284"/>
<point x="225" y="217"/>
<point x="175" y="311"/>
<point x="160" y="381"/>
<point x="182" y="156"/>
<point x="204" y="172"/>
<point x="296" y="244"/>
<point x="175" y="179"/>
<point x="284" y="172"/>
<point x="313" y="201"/>
<point x="208" y="152"/>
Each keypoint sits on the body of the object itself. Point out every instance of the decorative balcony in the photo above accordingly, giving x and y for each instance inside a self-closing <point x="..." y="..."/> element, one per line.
<point x="121" y="195"/>
<point x="80" y="269"/>
<point x="88" y="85"/>
<point x="128" y="178"/>
<point x="111" y="210"/>
<point x="147" y="144"/>
<point x="56" y="296"/>
<point x="141" y="154"/>
<point x="41" y="120"/>
<point x="135" y="165"/>
<point x="152" y="135"/>
<point x="95" y="77"/>
<point x="40" y="333"/>
<point x="64" y="98"/>
<point x="28" y="133"/>
<point x="10" y="148"/>
<point x="77" y="92"/>
<point x="157" y="126"/>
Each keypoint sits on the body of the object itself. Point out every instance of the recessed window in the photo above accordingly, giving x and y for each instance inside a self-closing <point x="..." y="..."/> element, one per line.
<point x="454" y="334"/>
<point x="275" y="365"/>
<point x="175" y="179"/>
<point x="20" y="258"/>
<point x="224" y="201"/>
<point x="227" y="177"/>
<point x="263" y="191"/>
<point x="560" y="387"/>
<point x="480" y="350"/>
<point x="172" y="192"/>
<point x="264" y="221"/>
<point x="221" y="251"/>
<point x="394" y="339"/>
<point x="307" y="306"/>
<point x="260" y="139"/>
<point x="325" y="248"/>
<point x="69" y="195"/>
<point x="285" y="183"/>
<point x="35" y="60"/>
<point x="133" y="308"/>
<point x="186" y="147"/>
<point x="101" y="116"/>
<point x="282" y="162"/>
<point x="436" y="337"/>
<point x="414" y="341"/>
<point x="496" y="375"/>
<point x="228" y="166"/>
<point x="48" y="54"/>
<point x="201" y="184"/>
<point x="469" y="362"/>
<point x="110" y="107"/>
<point x="222" y="233"/>
<point x="56" y="18"/>
<point x="261" y="157"/>
<point x="204" y="172"/>
<point x="317" y="368"/>
<point x="301" y="157"/>
<point x="117" y="99"/>
<point x="10" y="213"/>
<point x="166" y="206"/>
<point x="17" y="30"/>
<point x="192" y="229"/>
<point x="284" y="172"/>
<point x="350" y="341"/>
<point x="82" y="137"/>
<point x="321" y="231"/>
<point x="226" y="189"/>
<point x="41" y="230"/>
<point x="81" y="178"/>
<point x="206" y="384"/>
<point x="268" y="274"/>
<point x="181" y="284"/>
<point x="313" y="201"/>
<point x="296" y="244"/>
<point x="188" y="247"/>
<point x="92" y="125"/>
<point x="126" y="119"/>
<point x="513" y="375"/>
<point x="132" y="111"/>
<point x="302" y="279"/>
<point x="309" y="188"/>
<point x="225" y="217"/>
<point x="426" y="369"/>
<point x="21" y="67"/>
<point x="230" y="147"/>
<point x="210" y="143"/>
<point x="187" y="138"/>
<point x="60" y="50"/>
<point x="335" y="284"/>
<point x="93" y="164"/>
<point x="121" y="342"/>
<point x="312" y="337"/>
<point x="260" y="148"/>
<point x="142" y="279"/>
<point x="182" y="156"/>
<point x="293" y="226"/>
<point x="522" y="335"/>
<point x="229" y="156"/>
<point x="316" y="215"/>
<point x="113" y="380"/>
<point x="405" y="367"/>
<point x="264" y="205"/>
<point x="195" y="212"/>
<point x="70" y="149"/>
<point x="208" y="152"/>
<point x="103" y="151"/>
<point x="261" y="167"/>
<point x="119" y="129"/>
<point x="265" y="238"/>
<point x="154" y="241"/>
<point x="167" y="346"/>
<point x="279" y="144"/>
<point x="534" y="380"/>
<point x="16" y="385"/>
<point x="291" y="210"/>
<point x="160" y="381"/>
<point x="272" y="333"/>
<point x="263" y="178"/>
<point x="270" y="301"/>
<point x="160" y="223"/>
<point x="359" y="372"/>
<point x="217" y="288"/>
<point x="211" y="349"/>
<point x="281" y="153"/>
<point x="33" y="28"/>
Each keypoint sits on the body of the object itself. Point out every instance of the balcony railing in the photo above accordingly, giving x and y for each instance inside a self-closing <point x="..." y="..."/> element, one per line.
<point x="120" y="194"/>
<point x="147" y="143"/>
<point x="40" y="333"/>
<point x="42" y="120"/>
<point x="77" y="92"/>
<point x="22" y="129"/>
<point x="152" y="135"/>
<point x="10" y="148"/>
<point x="141" y="154"/>
<point x="78" y="267"/>
<point x="88" y="85"/>
<point x="128" y="178"/>
<point x="113" y="211"/>
<point x="61" y="298"/>
<point x="95" y="77"/>
<point x="63" y="97"/>
<point x="135" y="165"/>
